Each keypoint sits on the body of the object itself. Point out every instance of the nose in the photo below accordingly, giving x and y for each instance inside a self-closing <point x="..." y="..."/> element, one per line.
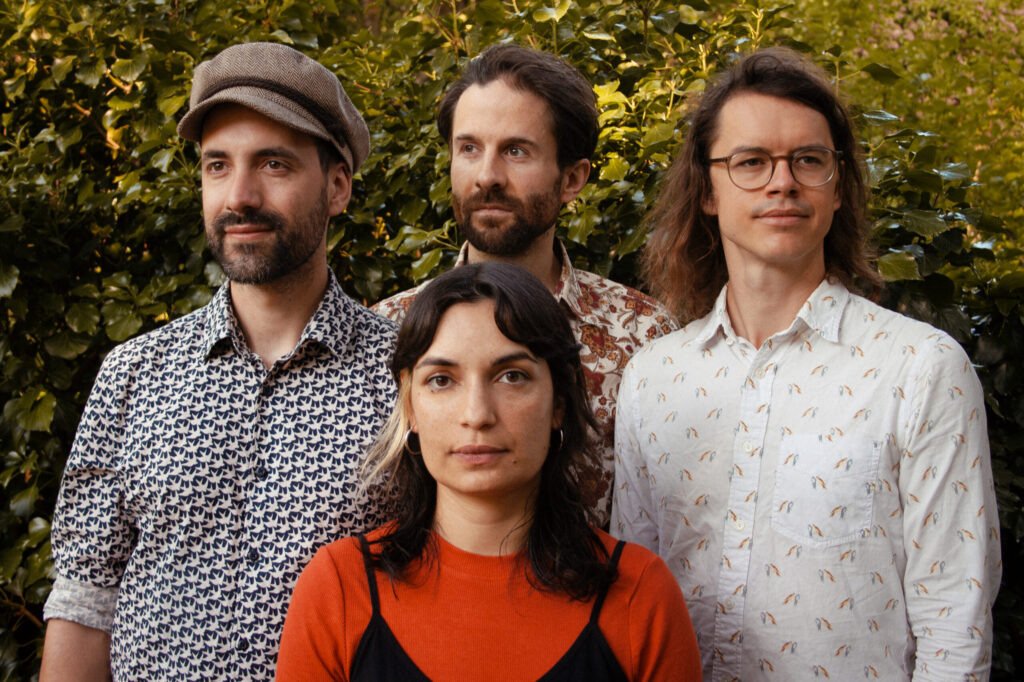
<point x="490" y="171"/>
<point x="782" y="178"/>
<point x="478" y="409"/>
<point x="243" y="192"/>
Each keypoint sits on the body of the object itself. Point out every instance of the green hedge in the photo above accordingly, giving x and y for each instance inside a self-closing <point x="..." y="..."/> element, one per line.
<point x="100" y="213"/>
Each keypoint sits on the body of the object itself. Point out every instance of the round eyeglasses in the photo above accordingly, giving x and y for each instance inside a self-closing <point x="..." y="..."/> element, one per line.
<point x="754" y="168"/>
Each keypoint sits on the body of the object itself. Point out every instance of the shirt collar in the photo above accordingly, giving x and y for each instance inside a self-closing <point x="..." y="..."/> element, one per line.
<point x="822" y="313"/>
<point x="330" y="326"/>
<point x="568" y="287"/>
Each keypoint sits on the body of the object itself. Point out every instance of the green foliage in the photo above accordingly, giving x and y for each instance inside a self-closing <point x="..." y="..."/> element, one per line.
<point x="100" y="209"/>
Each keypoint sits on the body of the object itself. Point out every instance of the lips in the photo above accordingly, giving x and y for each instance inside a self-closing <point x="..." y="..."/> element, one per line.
<point x="784" y="213"/>
<point x="475" y="449"/>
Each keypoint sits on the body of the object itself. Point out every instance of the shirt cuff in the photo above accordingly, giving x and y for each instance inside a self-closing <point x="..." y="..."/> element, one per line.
<point x="81" y="603"/>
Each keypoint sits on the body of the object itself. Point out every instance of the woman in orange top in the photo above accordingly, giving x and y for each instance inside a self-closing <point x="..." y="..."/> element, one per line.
<point x="490" y="570"/>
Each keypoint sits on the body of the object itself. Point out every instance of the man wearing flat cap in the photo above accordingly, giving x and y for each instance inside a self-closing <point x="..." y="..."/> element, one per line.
<point x="217" y="453"/>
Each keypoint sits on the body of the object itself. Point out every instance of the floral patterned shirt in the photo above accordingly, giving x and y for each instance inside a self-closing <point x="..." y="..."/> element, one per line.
<point x="825" y="501"/>
<point x="201" y="483"/>
<point x="611" y="321"/>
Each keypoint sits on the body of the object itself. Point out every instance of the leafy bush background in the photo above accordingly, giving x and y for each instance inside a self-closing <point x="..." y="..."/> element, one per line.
<point x="101" y="230"/>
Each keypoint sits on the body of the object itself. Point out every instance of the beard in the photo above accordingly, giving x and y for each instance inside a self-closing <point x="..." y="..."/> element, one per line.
<point x="262" y="263"/>
<point x="531" y="217"/>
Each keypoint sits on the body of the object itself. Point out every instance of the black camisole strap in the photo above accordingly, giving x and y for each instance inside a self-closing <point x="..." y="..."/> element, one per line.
<point x="379" y="657"/>
<point x="590" y="658"/>
<point x="370" y="578"/>
<point x="613" y="563"/>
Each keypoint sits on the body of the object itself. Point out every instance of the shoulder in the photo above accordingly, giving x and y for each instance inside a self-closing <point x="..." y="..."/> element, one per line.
<point x="629" y="307"/>
<point x="637" y="565"/>
<point x="369" y="324"/>
<point x="867" y="323"/>
<point x="672" y="348"/>
<point x="395" y="307"/>
<point x="177" y="342"/>
<point x="336" y="559"/>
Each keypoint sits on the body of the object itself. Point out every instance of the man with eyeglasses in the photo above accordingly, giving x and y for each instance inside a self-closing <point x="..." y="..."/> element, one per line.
<point x="813" y="468"/>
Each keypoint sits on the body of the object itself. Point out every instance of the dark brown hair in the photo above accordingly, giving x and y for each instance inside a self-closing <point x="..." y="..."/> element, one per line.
<point x="683" y="262"/>
<point x="570" y="98"/>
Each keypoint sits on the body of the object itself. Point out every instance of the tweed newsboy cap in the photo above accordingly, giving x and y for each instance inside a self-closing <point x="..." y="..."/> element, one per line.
<point x="285" y="86"/>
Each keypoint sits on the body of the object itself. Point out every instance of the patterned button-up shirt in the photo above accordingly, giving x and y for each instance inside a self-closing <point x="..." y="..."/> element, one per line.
<point x="201" y="483"/>
<point x="825" y="501"/>
<point x="611" y="321"/>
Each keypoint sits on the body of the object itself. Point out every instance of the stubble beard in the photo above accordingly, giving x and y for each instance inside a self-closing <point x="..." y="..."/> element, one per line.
<point x="532" y="217"/>
<point x="263" y="263"/>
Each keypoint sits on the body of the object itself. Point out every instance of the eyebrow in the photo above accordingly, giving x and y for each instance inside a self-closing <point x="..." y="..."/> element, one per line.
<point x="503" y="360"/>
<point x="265" y="153"/>
<point x="521" y="141"/>
<point x="794" y="150"/>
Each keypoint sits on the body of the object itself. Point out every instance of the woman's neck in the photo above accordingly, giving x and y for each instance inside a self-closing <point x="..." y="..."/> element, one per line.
<point x="482" y="527"/>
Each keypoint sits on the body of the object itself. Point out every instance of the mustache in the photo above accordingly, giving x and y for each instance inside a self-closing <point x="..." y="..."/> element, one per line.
<point x="253" y="217"/>
<point x="491" y="197"/>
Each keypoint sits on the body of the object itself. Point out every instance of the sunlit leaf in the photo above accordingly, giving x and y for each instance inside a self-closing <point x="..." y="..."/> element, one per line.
<point x="8" y="279"/>
<point x="898" y="266"/>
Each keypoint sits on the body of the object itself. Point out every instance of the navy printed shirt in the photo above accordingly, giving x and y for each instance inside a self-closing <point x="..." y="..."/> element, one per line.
<point x="201" y="483"/>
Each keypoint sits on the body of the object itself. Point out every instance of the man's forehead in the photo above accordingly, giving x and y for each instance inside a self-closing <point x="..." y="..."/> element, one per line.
<point x="746" y="117"/>
<point x="236" y="123"/>
<point x="501" y="109"/>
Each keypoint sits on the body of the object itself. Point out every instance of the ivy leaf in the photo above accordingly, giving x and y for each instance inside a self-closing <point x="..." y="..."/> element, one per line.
<point x="614" y="169"/>
<point x="425" y="264"/>
<point x="129" y="70"/>
<point x="657" y="134"/>
<point x="880" y="116"/>
<point x="924" y="223"/>
<point x="898" y="266"/>
<point x="121" y="320"/>
<point x="8" y="279"/>
<point x="882" y="74"/>
<point x="66" y="346"/>
<point x="12" y="223"/>
<point x="24" y="503"/>
<point x="62" y="67"/>
<point x="82" y="317"/>
<point x="38" y="530"/>
<point x="162" y="159"/>
<point x="91" y="73"/>
<point x="10" y="559"/>
<point x="551" y="13"/>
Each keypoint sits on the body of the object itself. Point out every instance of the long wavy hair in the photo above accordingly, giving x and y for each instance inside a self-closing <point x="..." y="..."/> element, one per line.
<point x="683" y="262"/>
<point x="562" y="553"/>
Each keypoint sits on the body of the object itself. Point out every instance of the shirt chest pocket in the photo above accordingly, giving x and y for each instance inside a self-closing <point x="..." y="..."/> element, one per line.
<point x="825" y="490"/>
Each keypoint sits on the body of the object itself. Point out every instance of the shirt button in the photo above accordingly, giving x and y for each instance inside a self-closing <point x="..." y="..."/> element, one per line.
<point x="253" y="555"/>
<point x="267" y="391"/>
<point x="262" y="472"/>
<point x="740" y="525"/>
<point x="729" y="603"/>
<point x="243" y="644"/>
<point x="748" y="446"/>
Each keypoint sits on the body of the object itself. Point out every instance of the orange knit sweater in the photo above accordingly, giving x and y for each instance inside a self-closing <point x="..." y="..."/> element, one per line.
<point x="477" y="618"/>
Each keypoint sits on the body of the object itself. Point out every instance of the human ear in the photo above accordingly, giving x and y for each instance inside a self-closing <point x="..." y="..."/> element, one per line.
<point x="339" y="188"/>
<point x="574" y="177"/>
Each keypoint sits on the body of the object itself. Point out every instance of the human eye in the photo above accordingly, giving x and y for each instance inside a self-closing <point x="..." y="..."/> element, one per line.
<point x="811" y="158"/>
<point x="276" y="165"/>
<point x="467" y="148"/>
<point x="749" y="161"/>
<point x="438" y="381"/>
<point x="516" y="151"/>
<point x="514" y="376"/>
<point x="214" y="167"/>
